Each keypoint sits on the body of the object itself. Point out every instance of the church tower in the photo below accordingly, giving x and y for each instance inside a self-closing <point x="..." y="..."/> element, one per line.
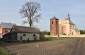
<point x="54" y="26"/>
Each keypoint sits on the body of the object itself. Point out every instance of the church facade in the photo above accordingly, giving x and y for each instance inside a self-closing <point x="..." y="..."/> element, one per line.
<point x="64" y="27"/>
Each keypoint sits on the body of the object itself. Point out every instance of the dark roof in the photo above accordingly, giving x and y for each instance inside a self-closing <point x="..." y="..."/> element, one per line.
<point x="24" y="29"/>
<point x="6" y="25"/>
<point x="70" y="22"/>
<point x="55" y="18"/>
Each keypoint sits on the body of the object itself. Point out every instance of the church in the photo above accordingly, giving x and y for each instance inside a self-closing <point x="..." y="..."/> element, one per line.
<point x="63" y="27"/>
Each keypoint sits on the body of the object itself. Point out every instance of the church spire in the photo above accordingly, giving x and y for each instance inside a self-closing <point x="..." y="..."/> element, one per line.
<point x="68" y="16"/>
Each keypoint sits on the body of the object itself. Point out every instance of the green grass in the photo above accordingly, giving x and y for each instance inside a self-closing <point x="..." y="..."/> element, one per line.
<point x="3" y="51"/>
<point x="55" y="38"/>
<point x="0" y="39"/>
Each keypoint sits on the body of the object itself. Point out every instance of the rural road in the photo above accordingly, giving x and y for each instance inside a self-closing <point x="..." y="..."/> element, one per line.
<point x="73" y="46"/>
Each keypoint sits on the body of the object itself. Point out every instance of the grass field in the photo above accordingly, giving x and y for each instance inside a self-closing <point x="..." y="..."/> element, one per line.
<point x="55" y="38"/>
<point x="3" y="51"/>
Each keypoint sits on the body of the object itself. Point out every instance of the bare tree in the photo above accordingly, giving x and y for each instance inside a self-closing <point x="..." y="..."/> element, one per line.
<point x="30" y="10"/>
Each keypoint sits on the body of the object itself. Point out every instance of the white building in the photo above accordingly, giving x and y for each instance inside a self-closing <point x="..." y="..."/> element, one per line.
<point x="23" y="33"/>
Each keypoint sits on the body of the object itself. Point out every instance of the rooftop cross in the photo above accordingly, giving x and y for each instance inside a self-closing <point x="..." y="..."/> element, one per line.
<point x="68" y="16"/>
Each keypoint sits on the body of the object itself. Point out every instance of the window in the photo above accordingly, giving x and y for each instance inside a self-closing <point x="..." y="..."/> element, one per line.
<point x="73" y="27"/>
<point x="52" y="22"/>
<point x="6" y="31"/>
<point x="33" y="34"/>
<point x="24" y="34"/>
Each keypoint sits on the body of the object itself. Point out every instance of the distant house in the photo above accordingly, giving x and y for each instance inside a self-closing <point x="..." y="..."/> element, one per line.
<point x="23" y="33"/>
<point x="5" y="28"/>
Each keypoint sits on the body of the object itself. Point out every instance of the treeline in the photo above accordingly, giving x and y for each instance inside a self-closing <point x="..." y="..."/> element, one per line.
<point x="82" y="31"/>
<point x="46" y="32"/>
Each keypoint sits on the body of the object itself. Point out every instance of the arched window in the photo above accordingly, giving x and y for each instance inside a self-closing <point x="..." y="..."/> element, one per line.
<point x="52" y="22"/>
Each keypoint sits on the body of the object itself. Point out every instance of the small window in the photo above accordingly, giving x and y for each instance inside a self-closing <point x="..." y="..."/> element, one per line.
<point x="6" y="31"/>
<point x="70" y="27"/>
<point x="33" y="34"/>
<point x="24" y="34"/>
<point x="52" y="22"/>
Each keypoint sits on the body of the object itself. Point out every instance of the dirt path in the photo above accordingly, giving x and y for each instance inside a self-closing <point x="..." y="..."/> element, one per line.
<point x="61" y="47"/>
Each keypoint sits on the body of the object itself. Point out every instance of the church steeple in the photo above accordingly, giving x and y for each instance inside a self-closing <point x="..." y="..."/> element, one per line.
<point x="68" y="16"/>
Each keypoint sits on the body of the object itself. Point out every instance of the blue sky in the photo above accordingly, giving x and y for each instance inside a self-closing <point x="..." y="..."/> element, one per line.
<point x="9" y="11"/>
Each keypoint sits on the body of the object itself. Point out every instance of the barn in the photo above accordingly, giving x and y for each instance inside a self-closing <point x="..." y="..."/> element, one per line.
<point x="22" y="33"/>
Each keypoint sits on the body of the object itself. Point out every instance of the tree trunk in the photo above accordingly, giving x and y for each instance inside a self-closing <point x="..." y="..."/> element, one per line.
<point x="30" y="22"/>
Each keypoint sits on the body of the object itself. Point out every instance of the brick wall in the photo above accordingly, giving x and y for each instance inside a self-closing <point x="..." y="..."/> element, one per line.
<point x="54" y="26"/>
